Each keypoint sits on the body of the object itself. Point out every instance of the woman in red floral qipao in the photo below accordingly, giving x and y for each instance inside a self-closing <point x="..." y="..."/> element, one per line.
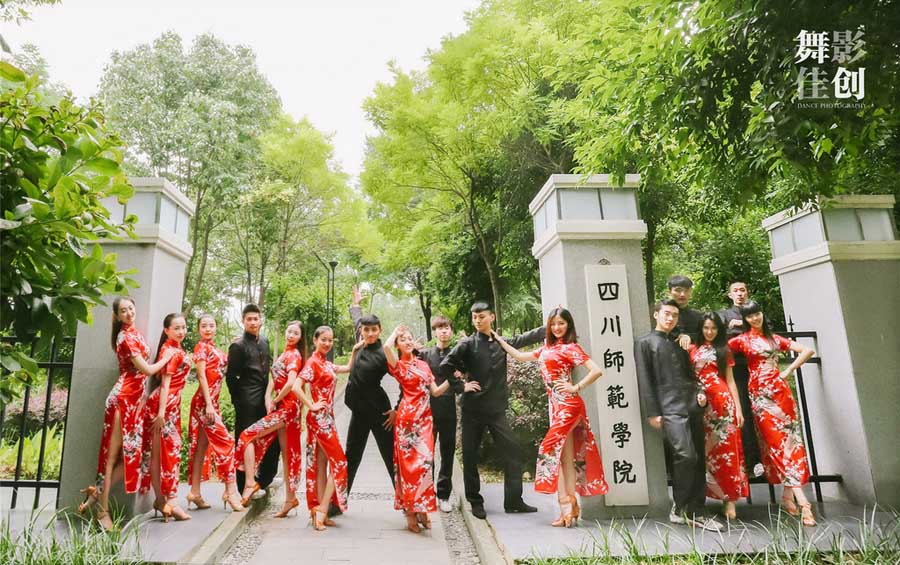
<point x="775" y="410"/>
<point x="568" y="457"/>
<point x="161" y="461"/>
<point x="326" y="463"/>
<point x="283" y="418"/>
<point x="123" y="424"/>
<point x="206" y="430"/>
<point x="413" y="431"/>
<point x="726" y="478"/>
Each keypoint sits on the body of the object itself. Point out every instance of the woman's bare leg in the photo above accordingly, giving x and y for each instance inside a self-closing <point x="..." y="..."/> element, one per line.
<point x="327" y="481"/>
<point x="112" y="459"/>
<point x="199" y="459"/>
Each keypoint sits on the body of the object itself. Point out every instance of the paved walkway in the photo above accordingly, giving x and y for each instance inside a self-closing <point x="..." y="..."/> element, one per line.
<point x="371" y="531"/>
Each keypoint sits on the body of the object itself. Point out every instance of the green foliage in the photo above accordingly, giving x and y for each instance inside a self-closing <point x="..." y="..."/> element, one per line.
<point x="31" y="452"/>
<point x="59" y="162"/>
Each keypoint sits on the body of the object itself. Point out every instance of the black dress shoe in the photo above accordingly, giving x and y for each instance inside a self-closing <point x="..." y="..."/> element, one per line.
<point x="478" y="511"/>
<point x="333" y="511"/>
<point x="520" y="508"/>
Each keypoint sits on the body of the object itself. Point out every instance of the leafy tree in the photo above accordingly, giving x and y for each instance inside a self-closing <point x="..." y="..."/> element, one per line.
<point x="59" y="162"/>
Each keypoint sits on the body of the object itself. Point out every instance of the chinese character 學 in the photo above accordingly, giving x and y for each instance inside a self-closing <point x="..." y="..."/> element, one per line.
<point x="608" y="291"/>
<point x="613" y="359"/>
<point x="613" y="324"/>
<point x="850" y="83"/>
<point x="812" y="44"/>
<point x="620" y="434"/>
<point x="622" y="472"/>
<point x="848" y="48"/>
<point x="615" y="397"/>
<point x="811" y="83"/>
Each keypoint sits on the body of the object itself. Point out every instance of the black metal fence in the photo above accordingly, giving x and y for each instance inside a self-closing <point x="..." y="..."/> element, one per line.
<point x="20" y="428"/>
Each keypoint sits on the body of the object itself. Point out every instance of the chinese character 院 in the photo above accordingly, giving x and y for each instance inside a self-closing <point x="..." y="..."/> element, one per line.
<point x="620" y="434"/>
<point x="850" y="83"/>
<point x="608" y="291"/>
<point x="622" y="472"/>
<point x="848" y="48"/>
<point x="615" y="397"/>
<point x="811" y="44"/>
<point x="811" y="84"/>
<point x="613" y="324"/>
<point x="613" y="359"/>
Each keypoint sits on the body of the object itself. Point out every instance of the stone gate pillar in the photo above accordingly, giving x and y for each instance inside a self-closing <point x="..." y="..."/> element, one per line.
<point x="587" y="239"/>
<point x="159" y="255"/>
<point x="838" y="266"/>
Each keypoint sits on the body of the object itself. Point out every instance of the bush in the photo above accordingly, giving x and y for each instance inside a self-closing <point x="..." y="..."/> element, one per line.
<point x="34" y="417"/>
<point x="31" y="454"/>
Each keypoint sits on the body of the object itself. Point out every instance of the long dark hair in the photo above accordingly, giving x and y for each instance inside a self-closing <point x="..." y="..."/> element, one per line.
<point x="571" y="336"/>
<point x="301" y="343"/>
<point x="719" y="343"/>
<point x="116" y="324"/>
<point x="752" y="307"/>
<point x="167" y="323"/>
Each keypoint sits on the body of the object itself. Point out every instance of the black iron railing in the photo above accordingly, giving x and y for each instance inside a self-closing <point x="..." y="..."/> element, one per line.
<point x="58" y="362"/>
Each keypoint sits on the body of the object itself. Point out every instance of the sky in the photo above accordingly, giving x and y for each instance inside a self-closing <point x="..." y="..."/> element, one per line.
<point x="323" y="57"/>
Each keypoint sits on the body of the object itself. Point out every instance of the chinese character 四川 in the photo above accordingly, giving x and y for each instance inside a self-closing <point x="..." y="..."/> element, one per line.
<point x="613" y="324"/>
<point x="608" y="291"/>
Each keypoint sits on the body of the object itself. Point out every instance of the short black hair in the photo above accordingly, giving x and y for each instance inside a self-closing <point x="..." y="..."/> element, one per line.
<point x="667" y="302"/>
<point x="249" y="309"/>
<point x="680" y="280"/>
<point x="441" y="321"/>
<point x="370" y="320"/>
<point x="480" y="307"/>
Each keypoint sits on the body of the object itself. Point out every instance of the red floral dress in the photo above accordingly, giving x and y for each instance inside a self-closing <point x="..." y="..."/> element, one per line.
<point x="170" y="436"/>
<point x="567" y="415"/>
<point x="322" y="431"/>
<point x="125" y="396"/>
<point x="774" y="409"/>
<point x="221" y="442"/>
<point x="414" y="438"/>
<point x="726" y="478"/>
<point x="287" y="412"/>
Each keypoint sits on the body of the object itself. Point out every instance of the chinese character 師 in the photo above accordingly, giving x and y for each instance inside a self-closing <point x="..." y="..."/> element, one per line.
<point x="850" y="83"/>
<point x="613" y="359"/>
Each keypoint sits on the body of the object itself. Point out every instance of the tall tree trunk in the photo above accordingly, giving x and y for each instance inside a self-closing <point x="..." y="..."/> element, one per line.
<point x="424" y="302"/>
<point x="484" y="251"/>
<point x="195" y="294"/>
<point x="649" y="251"/>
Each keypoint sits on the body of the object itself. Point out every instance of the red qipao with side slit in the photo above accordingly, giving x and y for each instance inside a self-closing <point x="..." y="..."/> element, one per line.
<point x="125" y="397"/>
<point x="567" y="415"/>
<point x="170" y="435"/>
<point x="287" y="411"/>
<point x="774" y="409"/>
<point x="221" y="443"/>
<point x="414" y="438"/>
<point x="321" y="432"/>
<point x="726" y="478"/>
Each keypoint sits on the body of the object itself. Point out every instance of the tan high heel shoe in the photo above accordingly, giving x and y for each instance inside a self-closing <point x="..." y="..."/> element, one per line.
<point x="729" y="510"/>
<point x="248" y="498"/>
<point x="165" y="510"/>
<point x="565" y="515"/>
<point x="286" y="509"/>
<point x="179" y="514"/>
<point x="197" y="500"/>
<point x="90" y="497"/>
<point x="317" y="519"/>
<point x="102" y="517"/>
<point x="806" y="515"/>
<point x="576" y="510"/>
<point x="787" y="502"/>
<point x="412" y="523"/>
<point x="424" y="520"/>
<point x="228" y="500"/>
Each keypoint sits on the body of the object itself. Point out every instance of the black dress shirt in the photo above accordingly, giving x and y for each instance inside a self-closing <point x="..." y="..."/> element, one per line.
<point x="734" y="313"/>
<point x="249" y="361"/>
<point x="688" y="323"/>
<point x="443" y="406"/>
<point x="364" y="393"/>
<point x="485" y="361"/>
<point x="665" y="377"/>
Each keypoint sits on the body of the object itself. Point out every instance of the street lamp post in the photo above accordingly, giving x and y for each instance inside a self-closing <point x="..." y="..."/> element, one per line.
<point x="329" y="295"/>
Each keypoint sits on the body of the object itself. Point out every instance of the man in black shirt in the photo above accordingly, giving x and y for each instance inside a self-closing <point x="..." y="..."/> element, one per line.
<point x="370" y="408"/>
<point x="734" y="326"/>
<point x="485" y="362"/>
<point x="443" y="408"/>
<point x="680" y="290"/>
<point x="247" y="377"/>
<point x="671" y="400"/>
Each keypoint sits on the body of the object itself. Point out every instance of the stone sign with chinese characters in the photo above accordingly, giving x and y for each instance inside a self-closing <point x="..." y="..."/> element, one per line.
<point x="619" y="426"/>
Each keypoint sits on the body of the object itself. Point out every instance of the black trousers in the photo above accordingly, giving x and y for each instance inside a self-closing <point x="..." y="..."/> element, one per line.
<point x="473" y="426"/>
<point x="361" y="424"/>
<point x="748" y="432"/>
<point x="445" y="435"/>
<point x="245" y="416"/>
<point x="685" y="436"/>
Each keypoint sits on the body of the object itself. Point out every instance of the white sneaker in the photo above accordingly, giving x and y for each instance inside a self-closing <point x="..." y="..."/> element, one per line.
<point x="676" y="517"/>
<point x="759" y="470"/>
<point x="706" y="523"/>
<point x="276" y="482"/>
<point x="445" y="505"/>
<point x="258" y="494"/>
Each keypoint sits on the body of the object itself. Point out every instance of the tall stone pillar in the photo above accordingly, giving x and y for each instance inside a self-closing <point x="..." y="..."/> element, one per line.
<point x="839" y="270"/>
<point x="588" y="236"/>
<point x="159" y="256"/>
